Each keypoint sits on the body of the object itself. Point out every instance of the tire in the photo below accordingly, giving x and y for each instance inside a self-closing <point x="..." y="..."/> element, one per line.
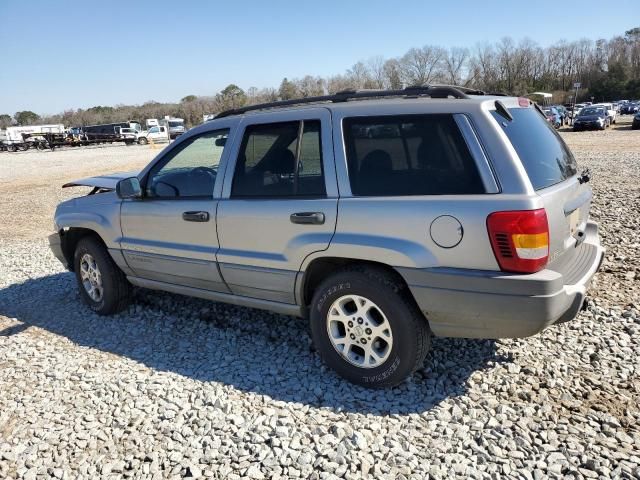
<point x="115" y="293"/>
<point x="401" y="347"/>
<point x="142" y="141"/>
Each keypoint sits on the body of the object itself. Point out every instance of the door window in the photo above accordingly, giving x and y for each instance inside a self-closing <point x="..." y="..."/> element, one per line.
<point x="409" y="155"/>
<point x="280" y="160"/>
<point x="190" y="169"/>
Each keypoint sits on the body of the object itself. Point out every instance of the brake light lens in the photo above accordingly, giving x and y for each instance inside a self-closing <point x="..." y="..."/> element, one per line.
<point x="520" y="239"/>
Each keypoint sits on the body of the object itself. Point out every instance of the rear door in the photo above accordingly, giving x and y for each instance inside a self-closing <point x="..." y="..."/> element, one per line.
<point x="279" y="202"/>
<point x="552" y="171"/>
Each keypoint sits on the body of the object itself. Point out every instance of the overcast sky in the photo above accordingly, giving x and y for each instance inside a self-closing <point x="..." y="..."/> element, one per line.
<point x="61" y="54"/>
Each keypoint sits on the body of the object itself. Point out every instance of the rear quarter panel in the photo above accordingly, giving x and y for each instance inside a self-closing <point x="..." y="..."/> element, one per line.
<point x="396" y="230"/>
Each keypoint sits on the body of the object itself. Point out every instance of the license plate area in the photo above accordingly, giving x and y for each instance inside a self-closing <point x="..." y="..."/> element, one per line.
<point x="574" y="222"/>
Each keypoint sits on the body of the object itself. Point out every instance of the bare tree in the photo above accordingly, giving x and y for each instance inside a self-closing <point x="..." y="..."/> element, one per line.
<point x="375" y="67"/>
<point x="420" y="66"/>
<point x="392" y="74"/>
<point x="454" y="64"/>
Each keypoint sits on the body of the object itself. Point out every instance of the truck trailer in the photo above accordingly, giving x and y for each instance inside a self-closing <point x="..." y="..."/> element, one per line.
<point x="109" y="131"/>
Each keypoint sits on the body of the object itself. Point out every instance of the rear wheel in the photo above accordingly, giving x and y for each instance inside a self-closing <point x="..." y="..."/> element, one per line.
<point x="103" y="286"/>
<point x="367" y="328"/>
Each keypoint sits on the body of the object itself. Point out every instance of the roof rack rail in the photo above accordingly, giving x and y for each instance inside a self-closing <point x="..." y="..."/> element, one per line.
<point x="433" y="91"/>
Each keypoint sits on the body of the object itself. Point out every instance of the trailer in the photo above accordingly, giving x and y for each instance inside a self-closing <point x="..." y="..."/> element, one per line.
<point x="110" y="132"/>
<point x="23" y="138"/>
<point x="50" y="137"/>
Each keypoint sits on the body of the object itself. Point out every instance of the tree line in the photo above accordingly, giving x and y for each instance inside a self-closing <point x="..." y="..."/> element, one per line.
<point x="606" y="70"/>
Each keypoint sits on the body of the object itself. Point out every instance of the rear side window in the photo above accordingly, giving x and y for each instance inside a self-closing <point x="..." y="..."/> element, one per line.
<point x="409" y="155"/>
<point x="544" y="155"/>
<point x="280" y="160"/>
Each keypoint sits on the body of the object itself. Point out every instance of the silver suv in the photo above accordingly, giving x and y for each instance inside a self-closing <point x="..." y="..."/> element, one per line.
<point x="385" y="217"/>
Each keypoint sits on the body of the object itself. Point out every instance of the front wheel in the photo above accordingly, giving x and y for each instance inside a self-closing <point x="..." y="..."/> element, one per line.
<point x="103" y="286"/>
<point x="142" y="141"/>
<point x="367" y="328"/>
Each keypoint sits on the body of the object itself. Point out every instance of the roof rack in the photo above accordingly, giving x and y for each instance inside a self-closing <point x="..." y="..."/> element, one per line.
<point x="432" y="91"/>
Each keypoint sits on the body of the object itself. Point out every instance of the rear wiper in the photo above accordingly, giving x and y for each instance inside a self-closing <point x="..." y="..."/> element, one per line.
<point x="585" y="176"/>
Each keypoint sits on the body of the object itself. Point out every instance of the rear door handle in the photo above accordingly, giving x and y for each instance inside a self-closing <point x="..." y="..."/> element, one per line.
<point x="195" y="216"/>
<point x="307" y="218"/>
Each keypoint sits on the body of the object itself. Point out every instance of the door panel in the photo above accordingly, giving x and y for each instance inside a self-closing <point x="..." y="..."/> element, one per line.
<point x="159" y="244"/>
<point x="281" y="164"/>
<point x="170" y="235"/>
<point x="262" y="250"/>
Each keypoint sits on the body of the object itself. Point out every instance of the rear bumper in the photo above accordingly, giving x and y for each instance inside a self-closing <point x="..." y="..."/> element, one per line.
<point x="55" y="244"/>
<point x="487" y="304"/>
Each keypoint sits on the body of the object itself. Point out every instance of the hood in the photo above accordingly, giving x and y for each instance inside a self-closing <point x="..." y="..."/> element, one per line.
<point x="102" y="181"/>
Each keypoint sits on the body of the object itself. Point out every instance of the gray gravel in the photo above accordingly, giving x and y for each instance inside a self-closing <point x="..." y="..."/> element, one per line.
<point x="178" y="387"/>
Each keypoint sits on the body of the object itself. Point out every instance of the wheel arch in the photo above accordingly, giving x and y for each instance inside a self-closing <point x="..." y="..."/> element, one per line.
<point x="320" y="268"/>
<point x="69" y="238"/>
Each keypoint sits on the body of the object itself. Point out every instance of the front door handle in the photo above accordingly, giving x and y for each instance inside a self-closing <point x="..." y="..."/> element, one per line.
<point x="195" y="216"/>
<point x="307" y="218"/>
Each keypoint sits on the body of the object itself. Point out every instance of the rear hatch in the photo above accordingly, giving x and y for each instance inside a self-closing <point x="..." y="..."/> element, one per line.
<point x="553" y="173"/>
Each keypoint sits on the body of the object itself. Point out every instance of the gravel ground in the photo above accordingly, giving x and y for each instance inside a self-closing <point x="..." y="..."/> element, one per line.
<point x="178" y="387"/>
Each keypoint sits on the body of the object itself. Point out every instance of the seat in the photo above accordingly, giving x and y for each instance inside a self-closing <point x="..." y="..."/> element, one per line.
<point x="373" y="176"/>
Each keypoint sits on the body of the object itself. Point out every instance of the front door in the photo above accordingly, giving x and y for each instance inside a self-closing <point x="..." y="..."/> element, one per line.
<point x="170" y="234"/>
<point x="279" y="202"/>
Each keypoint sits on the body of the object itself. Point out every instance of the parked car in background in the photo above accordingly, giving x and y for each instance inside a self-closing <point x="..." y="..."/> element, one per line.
<point x="629" y="108"/>
<point x="129" y="135"/>
<point x="591" y="118"/>
<point x="563" y="113"/>
<point x="156" y="134"/>
<point x="175" y="126"/>
<point x="612" y="113"/>
<point x="552" y="115"/>
<point x="381" y="240"/>
<point x="635" y="125"/>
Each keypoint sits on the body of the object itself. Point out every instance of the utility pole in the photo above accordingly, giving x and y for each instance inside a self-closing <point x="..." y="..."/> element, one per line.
<point x="575" y="100"/>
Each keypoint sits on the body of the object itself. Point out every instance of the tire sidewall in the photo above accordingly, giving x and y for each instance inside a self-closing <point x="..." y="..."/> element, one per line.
<point x="401" y="360"/>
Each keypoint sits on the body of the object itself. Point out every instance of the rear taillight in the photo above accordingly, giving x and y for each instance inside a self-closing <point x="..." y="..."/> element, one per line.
<point x="520" y="239"/>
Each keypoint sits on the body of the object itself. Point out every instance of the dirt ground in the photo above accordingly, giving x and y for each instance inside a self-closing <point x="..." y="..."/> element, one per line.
<point x="30" y="182"/>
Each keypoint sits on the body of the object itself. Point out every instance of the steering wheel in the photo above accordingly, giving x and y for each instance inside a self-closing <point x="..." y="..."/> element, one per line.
<point x="209" y="171"/>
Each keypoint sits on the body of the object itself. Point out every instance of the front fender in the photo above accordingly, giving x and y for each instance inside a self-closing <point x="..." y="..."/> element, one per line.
<point x="100" y="215"/>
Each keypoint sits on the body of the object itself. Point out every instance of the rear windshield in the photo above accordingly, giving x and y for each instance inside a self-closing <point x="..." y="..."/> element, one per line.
<point x="544" y="155"/>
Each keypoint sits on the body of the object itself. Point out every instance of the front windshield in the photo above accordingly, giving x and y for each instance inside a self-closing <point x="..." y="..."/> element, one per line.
<point x="592" y="111"/>
<point x="174" y="123"/>
<point x="136" y="126"/>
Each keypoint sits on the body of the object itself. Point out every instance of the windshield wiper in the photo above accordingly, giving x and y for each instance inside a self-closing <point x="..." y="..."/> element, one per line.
<point x="585" y="176"/>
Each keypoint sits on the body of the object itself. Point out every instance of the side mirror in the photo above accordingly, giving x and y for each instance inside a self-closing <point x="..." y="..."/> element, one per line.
<point x="129" y="188"/>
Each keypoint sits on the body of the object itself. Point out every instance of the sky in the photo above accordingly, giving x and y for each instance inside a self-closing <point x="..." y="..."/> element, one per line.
<point x="59" y="55"/>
